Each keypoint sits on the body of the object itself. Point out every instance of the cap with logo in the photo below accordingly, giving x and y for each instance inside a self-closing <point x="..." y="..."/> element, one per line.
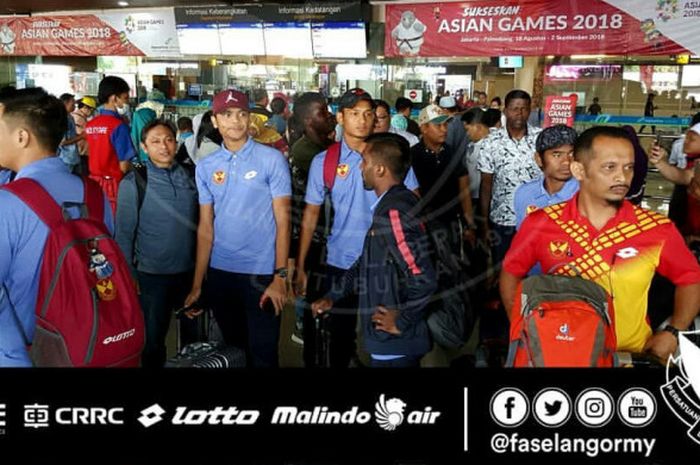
<point x="432" y="114"/>
<point x="351" y="98"/>
<point x="555" y="136"/>
<point x="229" y="99"/>
<point x="89" y="102"/>
<point x="448" y="102"/>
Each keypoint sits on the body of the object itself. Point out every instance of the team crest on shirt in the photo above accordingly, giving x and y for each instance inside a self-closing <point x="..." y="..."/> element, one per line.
<point x="342" y="170"/>
<point x="106" y="290"/>
<point x="530" y="209"/>
<point x="559" y="249"/>
<point x="219" y="177"/>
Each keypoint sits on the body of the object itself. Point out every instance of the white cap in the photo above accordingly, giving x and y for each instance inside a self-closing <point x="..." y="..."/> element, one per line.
<point x="448" y="102"/>
<point x="432" y="114"/>
<point x="695" y="129"/>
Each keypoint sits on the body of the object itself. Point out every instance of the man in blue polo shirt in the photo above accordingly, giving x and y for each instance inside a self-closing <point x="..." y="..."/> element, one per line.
<point x="32" y="124"/>
<point x="554" y="151"/>
<point x="243" y="233"/>
<point x="352" y="218"/>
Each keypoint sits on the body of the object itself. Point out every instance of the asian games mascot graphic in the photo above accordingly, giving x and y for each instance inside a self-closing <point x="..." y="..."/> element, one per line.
<point x="7" y="39"/>
<point x="408" y="34"/>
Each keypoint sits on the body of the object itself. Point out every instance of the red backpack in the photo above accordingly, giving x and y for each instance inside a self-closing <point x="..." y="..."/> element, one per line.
<point x="559" y="321"/>
<point x="87" y="311"/>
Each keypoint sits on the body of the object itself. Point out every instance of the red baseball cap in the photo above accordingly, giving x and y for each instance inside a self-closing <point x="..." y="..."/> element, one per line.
<point x="230" y="99"/>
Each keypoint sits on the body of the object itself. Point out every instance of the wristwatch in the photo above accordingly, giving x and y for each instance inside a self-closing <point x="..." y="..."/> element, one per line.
<point x="281" y="272"/>
<point x="671" y="329"/>
<point x="471" y="225"/>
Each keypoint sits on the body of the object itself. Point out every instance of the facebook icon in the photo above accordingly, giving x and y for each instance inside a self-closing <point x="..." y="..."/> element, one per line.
<point x="509" y="407"/>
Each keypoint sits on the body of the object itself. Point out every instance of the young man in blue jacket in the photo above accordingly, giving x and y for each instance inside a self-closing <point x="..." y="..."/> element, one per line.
<point x="393" y="277"/>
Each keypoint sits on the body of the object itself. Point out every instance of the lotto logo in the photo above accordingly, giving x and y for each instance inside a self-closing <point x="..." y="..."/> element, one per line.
<point x="151" y="415"/>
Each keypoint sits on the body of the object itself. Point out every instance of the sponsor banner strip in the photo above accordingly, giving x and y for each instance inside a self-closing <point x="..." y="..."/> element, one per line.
<point x="540" y="27"/>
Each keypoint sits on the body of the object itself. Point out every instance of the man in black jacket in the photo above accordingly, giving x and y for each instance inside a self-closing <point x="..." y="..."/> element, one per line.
<point x="393" y="276"/>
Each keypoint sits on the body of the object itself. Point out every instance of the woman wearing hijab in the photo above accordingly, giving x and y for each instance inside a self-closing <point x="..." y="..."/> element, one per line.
<point x="139" y="120"/>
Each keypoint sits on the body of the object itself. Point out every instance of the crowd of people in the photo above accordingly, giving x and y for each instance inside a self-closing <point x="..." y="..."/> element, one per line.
<point x="365" y="213"/>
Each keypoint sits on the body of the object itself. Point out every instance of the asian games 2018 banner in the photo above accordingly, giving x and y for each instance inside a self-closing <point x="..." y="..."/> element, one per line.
<point x="543" y="27"/>
<point x="143" y="33"/>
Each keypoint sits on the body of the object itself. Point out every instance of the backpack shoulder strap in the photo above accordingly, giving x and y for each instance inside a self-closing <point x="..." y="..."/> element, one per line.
<point x="141" y="180"/>
<point x="94" y="200"/>
<point x="330" y="165"/>
<point x="35" y="197"/>
<point x="191" y="170"/>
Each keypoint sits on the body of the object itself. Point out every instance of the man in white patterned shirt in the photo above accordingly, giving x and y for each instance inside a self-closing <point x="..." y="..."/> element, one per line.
<point x="506" y="161"/>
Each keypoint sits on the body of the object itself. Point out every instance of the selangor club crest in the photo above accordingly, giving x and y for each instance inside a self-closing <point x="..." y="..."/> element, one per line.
<point x="106" y="290"/>
<point x="219" y="177"/>
<point x="558" y="249"/>
<point x="342" y="170"/>
<point x="682" y="389"/>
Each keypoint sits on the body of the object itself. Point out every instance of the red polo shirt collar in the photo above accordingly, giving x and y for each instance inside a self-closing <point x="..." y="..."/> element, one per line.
<point x="624" y="214"/>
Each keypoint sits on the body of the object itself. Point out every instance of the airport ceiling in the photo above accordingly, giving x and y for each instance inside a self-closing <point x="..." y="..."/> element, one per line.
<point x="11" y="7"/>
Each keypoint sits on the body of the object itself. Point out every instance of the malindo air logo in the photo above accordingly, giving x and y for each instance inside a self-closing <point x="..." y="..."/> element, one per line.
<point x="682" y="389"/>
<point x="389" y="414"/>
<point x="564" y="334"/>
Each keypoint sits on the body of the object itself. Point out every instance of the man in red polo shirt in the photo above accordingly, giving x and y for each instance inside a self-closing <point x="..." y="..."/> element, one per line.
<point x="108" y="138"/>
<point x="600" y="236"/>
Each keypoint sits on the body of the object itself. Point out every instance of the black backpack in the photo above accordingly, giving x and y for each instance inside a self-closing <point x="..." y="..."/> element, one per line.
<point x="141" y="179"/>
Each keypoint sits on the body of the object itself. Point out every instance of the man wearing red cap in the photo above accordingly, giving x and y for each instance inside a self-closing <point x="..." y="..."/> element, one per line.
<point x="244" y="233"/>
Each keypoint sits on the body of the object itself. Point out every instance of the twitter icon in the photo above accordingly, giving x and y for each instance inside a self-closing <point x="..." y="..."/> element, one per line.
<point x="552" y="407"/>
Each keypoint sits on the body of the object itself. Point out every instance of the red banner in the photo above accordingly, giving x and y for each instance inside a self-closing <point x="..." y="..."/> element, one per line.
<point x="534" y="28"/>
<point x="560" y="110"/>
<point x="80" y="35"/>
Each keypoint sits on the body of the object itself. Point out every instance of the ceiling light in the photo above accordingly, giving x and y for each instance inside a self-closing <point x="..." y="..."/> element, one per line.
<point x="123" y="3"/>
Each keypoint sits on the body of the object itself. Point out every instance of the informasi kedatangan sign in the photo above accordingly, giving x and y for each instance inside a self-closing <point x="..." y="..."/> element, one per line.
<point x="542" y="27"/>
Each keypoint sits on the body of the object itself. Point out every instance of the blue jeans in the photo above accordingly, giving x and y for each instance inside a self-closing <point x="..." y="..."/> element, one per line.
<point x="160" y="295"/>
<point x="504" y="237"/>
<point x="235" y="299"/>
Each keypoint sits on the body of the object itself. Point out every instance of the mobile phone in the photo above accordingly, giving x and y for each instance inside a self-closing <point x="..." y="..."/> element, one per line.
<point x="181" y="311"/>
<point x="267" y="305"/>
<point x="658" y="140"/>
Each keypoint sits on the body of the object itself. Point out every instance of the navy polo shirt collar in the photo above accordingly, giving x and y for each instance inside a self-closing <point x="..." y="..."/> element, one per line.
<point x="149" y="163"/>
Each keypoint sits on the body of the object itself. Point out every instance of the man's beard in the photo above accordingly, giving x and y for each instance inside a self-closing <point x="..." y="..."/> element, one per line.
<point x="615" y="203"/>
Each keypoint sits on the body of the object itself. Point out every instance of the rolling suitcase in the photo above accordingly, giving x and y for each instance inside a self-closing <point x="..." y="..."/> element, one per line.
<point x="209" y="349"/>
<point x="322" y="336"/>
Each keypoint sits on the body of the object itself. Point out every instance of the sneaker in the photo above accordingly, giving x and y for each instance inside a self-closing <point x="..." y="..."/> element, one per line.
<point x="298" y="335"/>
